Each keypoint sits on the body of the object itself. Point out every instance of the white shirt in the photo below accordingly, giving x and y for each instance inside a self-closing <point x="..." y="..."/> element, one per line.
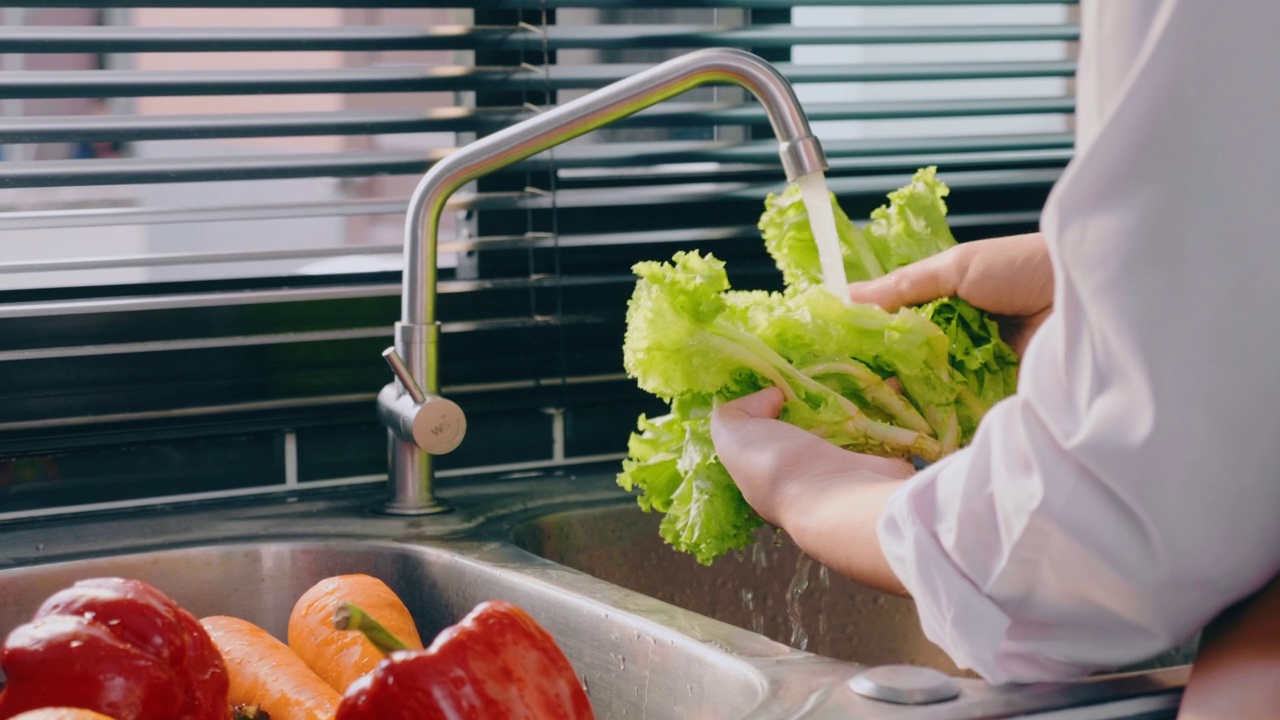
<point x="1131" y="489"/>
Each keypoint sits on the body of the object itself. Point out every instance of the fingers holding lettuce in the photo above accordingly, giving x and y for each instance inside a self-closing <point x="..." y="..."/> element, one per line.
<point x="1009" y="277"/>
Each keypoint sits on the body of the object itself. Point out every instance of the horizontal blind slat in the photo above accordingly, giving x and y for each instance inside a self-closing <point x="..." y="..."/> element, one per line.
<point x="127" y="128"/>
<point x="460" y="37"/>
<point x="675" y="113"/>
<point x="290" y="338"/>
<point x="204" y="258"/>
<point x="616" y="37"/>
<point x="116" y="216"/>
<point x="690" y="236"/>
<point x="51" y="173"/>
<point x="56" y="173"/>
<point x="125" y="39"/>
<point x="122" y="83"/>
<point x="709" y="192"/>
<point x="527" y="4"/>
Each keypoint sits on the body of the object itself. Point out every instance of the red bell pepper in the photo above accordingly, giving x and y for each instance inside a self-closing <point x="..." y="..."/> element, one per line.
<point x="497" y="664"/>
<point x="118" y="647"/>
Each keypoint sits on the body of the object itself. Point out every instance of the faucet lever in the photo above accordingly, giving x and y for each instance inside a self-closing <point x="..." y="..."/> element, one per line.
<point x="430" y="422"/>
<point x="402" y="374"/>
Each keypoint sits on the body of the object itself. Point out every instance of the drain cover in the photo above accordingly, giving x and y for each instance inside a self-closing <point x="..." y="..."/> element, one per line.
<point x="905" y="685"/>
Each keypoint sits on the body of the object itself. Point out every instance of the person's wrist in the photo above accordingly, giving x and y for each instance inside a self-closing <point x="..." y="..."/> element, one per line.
<point x="795" y="501"/>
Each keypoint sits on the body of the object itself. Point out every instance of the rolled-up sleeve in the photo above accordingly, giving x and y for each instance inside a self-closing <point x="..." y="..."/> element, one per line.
<point x="1130" y="491"/>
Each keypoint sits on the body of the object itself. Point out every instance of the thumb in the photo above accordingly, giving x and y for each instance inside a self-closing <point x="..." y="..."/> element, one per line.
<point x="915" y="284"/>
<point x="766" y="403"/>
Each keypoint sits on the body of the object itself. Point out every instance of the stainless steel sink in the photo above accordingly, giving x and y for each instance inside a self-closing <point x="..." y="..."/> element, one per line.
<point x="770" y="588"/>
<point x="624" y="660"/>
<point x="652" y="634"/>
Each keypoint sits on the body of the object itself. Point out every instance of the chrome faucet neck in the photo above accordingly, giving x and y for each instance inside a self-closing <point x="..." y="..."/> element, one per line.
<point x="799" y="150"/>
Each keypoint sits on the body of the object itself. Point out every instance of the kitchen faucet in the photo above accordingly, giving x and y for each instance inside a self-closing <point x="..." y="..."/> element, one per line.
<point x="421" y="423"/>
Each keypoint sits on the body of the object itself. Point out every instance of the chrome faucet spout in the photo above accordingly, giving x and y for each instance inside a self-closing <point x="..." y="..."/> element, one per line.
<point x="417" y="333"/>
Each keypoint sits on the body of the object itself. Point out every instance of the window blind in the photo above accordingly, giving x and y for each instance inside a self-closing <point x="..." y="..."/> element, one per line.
<point x="201" y="208"/>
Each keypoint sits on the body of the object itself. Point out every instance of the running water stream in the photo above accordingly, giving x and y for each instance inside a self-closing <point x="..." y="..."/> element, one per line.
<point x="817" y="202"/>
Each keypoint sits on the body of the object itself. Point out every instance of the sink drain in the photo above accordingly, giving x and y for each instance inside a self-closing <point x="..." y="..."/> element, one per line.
<point x="905" y="685"/>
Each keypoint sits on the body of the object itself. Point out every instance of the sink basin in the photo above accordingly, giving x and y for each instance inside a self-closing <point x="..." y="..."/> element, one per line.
<point x="770" y="588"/>
<point x="652" y="634"/>
<point x="624" y="661"/>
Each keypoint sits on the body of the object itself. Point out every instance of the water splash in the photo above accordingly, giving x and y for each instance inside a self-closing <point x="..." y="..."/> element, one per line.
<point x="824" y="582"/>
<point x="799" y="583"/>
<point x="757" y="616"/>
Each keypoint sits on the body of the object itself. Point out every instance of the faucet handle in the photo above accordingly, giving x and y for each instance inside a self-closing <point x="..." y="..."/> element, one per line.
<point x="435" y="424"/>
<point x="403" y="375"/>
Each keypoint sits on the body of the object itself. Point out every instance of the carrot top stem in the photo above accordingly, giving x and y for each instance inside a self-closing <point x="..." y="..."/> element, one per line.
<point x="350" y="617"/>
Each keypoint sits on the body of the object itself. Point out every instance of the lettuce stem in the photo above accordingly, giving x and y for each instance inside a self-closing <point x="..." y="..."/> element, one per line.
<point x="876" y="390"/>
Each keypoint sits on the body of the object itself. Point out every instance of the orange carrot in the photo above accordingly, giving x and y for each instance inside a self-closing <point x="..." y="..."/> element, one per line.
<point x="56" y="713"/>
<point x="340" y="656"/>
<point x="265" y="672"/>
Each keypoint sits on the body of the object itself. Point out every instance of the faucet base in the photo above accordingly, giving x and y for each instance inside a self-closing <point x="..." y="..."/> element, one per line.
<point x="435" y="508"/>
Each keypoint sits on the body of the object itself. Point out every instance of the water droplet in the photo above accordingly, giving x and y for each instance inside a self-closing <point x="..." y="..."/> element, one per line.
<point x="39" y="547"/>
<point x="76" y="643"/>
<point x="760" y="555"/>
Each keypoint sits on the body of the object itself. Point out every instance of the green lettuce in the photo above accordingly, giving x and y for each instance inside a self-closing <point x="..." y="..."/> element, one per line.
<point x="674" y="470"/>
<point x="682" y="338"/>
<point x="694" y="341"/>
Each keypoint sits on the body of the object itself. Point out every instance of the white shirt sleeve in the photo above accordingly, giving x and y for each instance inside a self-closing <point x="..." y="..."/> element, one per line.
<point x="1131" y="490"/>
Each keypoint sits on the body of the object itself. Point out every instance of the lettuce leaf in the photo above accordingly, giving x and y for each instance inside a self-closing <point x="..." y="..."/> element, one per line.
<point x="985" y="364"/>
<point x="912" y="226"/>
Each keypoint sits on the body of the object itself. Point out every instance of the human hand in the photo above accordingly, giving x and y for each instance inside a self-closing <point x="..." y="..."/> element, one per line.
<point x="828" y="499"/>
<point x="1009" y="277"/>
